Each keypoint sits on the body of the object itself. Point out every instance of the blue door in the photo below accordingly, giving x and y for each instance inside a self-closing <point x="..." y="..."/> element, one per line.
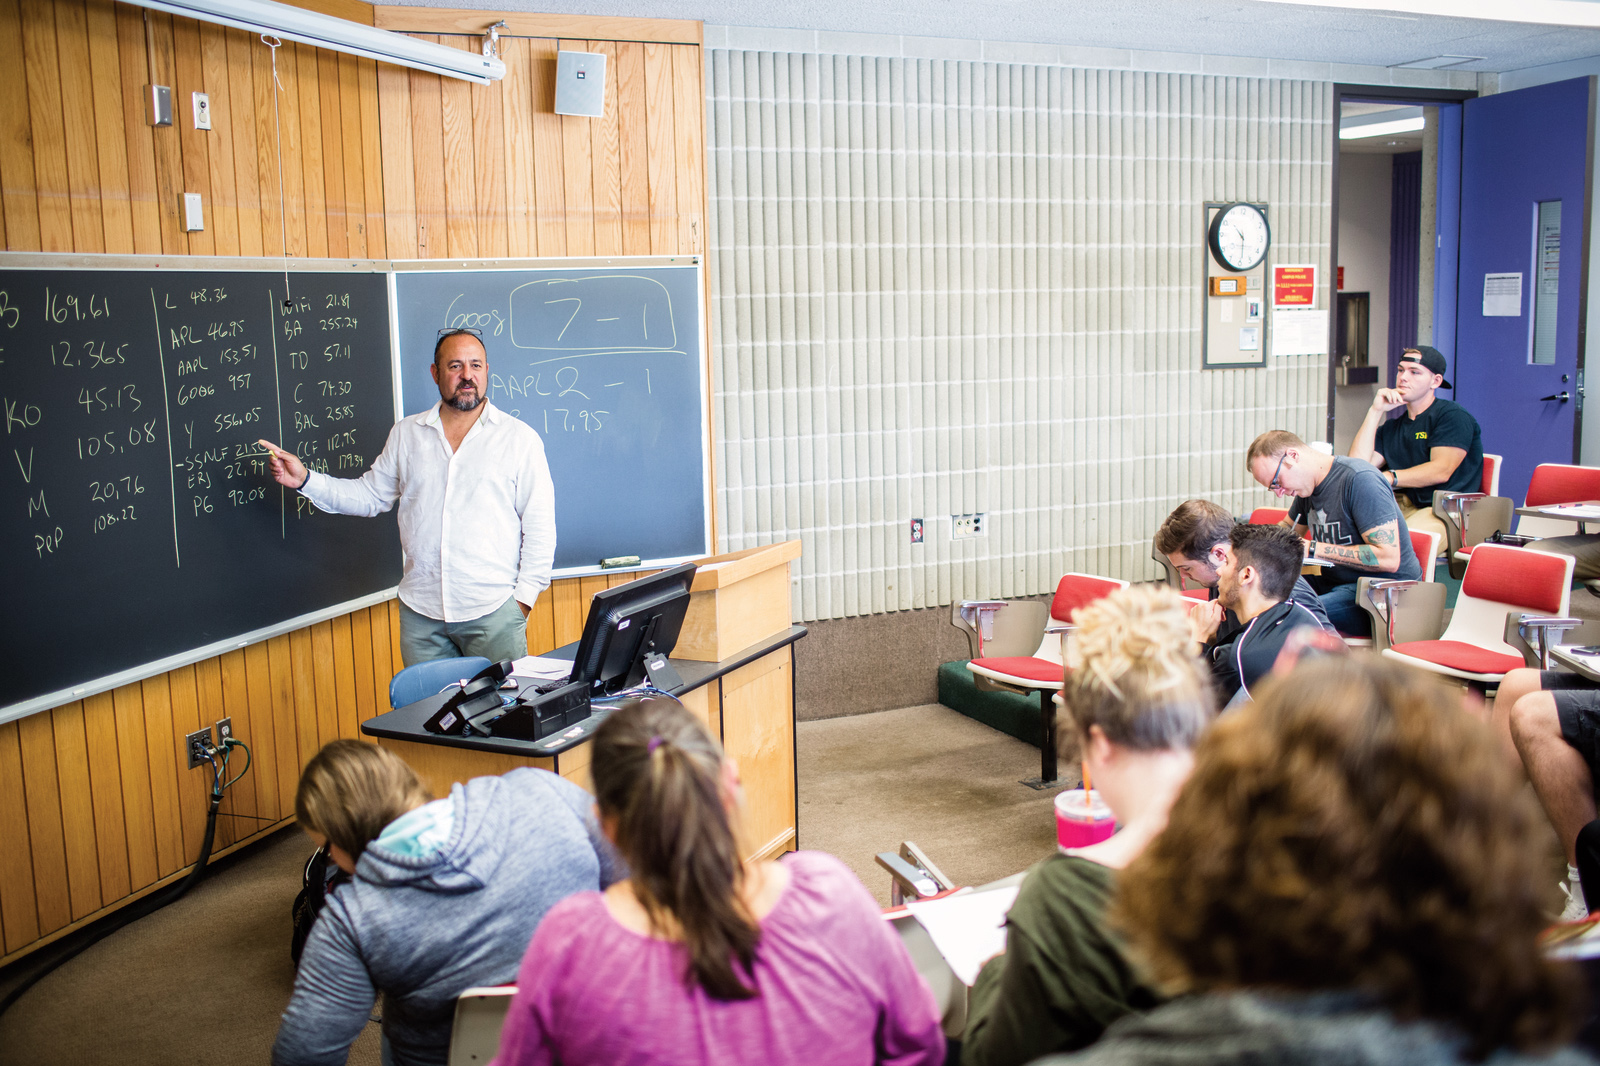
<point x="1524" y="174"/>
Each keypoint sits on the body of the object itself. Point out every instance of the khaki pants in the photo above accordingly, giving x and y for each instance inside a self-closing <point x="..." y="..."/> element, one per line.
<point x="1422" y="520"/>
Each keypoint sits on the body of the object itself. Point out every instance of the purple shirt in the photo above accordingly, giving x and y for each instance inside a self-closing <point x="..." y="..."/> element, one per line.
<point x="835" y="986"/>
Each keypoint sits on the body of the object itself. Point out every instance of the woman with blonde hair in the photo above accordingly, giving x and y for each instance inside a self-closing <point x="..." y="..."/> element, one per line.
<point x="1349" y="876"/>
<point x="699" y="957"/>
<point x="443" y="895"/>
<point x="1136" y="704"/>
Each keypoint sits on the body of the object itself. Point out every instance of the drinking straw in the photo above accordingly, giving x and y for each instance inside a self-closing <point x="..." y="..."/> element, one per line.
<point x="1087" y="784"/>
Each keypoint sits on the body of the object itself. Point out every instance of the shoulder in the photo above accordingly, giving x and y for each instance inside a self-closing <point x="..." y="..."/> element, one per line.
<point x="571" y="924"/>
<point x="1064" y="888"/>
<point x="1449" y="415"/>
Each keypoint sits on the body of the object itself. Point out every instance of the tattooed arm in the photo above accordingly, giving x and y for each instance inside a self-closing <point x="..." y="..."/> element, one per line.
<point x="1380" y="553"/>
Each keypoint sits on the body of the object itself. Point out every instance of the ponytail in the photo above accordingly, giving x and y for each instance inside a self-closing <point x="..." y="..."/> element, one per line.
<point x="657" y="773"/>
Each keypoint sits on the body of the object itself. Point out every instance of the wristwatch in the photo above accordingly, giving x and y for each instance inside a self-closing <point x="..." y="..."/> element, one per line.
<point x="1394" y="480"/>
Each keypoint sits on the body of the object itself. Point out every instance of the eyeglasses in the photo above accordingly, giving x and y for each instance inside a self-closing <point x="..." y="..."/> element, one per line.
<point x="453" y="330"/>
<point x="1272" y="486"/>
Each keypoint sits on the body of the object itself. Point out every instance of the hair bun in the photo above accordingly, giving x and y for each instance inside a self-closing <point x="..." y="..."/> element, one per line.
<point x="1143" y="627"/>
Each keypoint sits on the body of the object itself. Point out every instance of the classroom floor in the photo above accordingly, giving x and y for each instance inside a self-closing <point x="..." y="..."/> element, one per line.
<point x="204" y="979"/>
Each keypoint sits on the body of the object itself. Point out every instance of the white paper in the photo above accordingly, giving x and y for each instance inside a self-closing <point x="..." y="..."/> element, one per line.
<point x="542" y="667"/>
<point x="1250" y="339"/>
<point x="1299" y="332"/>
<point x="967" y="929"/>
<point x="1573" y="510"/>
<point x="1227" y="310"/>
<point x="1502" y="295"/>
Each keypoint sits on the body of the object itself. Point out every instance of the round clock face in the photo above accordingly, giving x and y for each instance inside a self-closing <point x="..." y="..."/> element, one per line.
<point x="1239" y="236"/>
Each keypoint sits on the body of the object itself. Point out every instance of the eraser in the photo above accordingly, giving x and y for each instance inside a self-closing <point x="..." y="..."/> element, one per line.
<point x="619" y="560"/>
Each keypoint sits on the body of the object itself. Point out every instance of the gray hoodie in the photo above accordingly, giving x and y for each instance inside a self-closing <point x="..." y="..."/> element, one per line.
<point x="1257" y="1029"/>
<point x="420" y="931"/>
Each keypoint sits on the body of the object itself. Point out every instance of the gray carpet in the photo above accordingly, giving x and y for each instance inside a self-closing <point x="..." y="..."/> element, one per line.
<point x="203" y="981"/>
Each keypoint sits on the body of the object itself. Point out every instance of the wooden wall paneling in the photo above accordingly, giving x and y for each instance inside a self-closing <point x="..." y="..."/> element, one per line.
<point x="222" y="206"/>
<point x="19" y="915"/>
<point x="286" y="150"/>
<point x="689" y="150"/>
<point x="305" y="695"/>
<point x="138" y="814"/>
<point x="77" y="809"/>
<point x="271" y="174"/>
<point x="286" y="761"/>
<point x="48" y="850"/>
<point x="396" y="660"/>
<point x="327" y="711"/>
<point x="578" y="170"/>
<point x="170" y="178"/>
<point x="659" y="142"/>
<point x="311" y="160"/>
<point x="193" y="784"/>
<point x="77" y="126"/>
<point x="241" y="122"/>
<point x="236" y="705"/>
<point x="383" y="668"/>
<point x="331" y="127"/>
<point x="549" y="180"/>
<point x="605" y="151"/>
<point x="18" y="190"/>
<point x="348" y="121"/>
<point x="460" y="172"/>
<point x="366" y="688"/>
<point x="193" y="145"/>
<point x="138" y="137"/>
<point x="489" y="168"/>
<point x="208" y="708"/>
<point x="105" y="790"/>
<point x="760" y="738"/>
<point x="43" y="73"/>
<point x="633" y="156"/>
<point x="398" y="168"/>
<point x="111" y="143"/>
<point x="541" y="629"/>
<point x="263" y="737"/>
<point x="516" y="124"/>
<point x="155" y="698"/>
<point x="344" y="678"/>
<point x="371" y="158"/>
<point x="427" y="162"/>
<point x="569" y="608"/>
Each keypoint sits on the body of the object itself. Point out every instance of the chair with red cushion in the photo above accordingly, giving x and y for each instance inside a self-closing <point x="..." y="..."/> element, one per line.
<point x="1008" y="668"/>
<point x="1500" y="580"/>
<point x="1268" y="516"/>
<point x="1491" y="474"/>
<point x="1551" y="483"/>
<point x="1417" y="606"/>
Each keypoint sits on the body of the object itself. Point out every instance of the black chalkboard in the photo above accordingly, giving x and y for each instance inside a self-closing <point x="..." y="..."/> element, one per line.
<point x="140" y="522"/>
<point x="606" y="364"/>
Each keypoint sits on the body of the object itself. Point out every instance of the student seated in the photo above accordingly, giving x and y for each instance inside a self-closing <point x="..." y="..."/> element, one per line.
<point x="1258" y="572"/>
<point x="1194" y="538"/>
<point x="698" y="957"/>
<point x="1137" y="703"/>
<point x="1347" y="877"/>
<point x="444" y="895"/>
<point x="1548" y="722"/>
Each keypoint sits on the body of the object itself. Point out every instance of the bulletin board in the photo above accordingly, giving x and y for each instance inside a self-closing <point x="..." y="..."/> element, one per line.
<point x="1233" y="330"/>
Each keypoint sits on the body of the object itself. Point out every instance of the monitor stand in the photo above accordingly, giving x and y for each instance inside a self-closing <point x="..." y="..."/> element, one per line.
<point x="661" y="673"/>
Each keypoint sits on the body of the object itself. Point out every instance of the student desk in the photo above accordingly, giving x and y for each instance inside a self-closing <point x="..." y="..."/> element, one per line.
<point x="746" y="699"/>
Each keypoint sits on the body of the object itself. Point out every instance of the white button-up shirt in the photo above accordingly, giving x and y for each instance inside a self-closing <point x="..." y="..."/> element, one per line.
<point x="477" y="524"/>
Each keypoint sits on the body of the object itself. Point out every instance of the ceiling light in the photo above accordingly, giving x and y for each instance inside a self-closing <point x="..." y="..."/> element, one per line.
<point x="1579" y="13"/>
<point x="1438" y="62"/>
<point x="336" y="34"/>
<point x="1381" y="129"/>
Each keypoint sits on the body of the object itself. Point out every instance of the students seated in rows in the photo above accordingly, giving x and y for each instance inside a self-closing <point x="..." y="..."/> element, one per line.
<point x="1433" y="444"/>
<point x="701" y="958"/>
<point x="1356" y="526"/>
<point x="444" y="895"/>
<point x="1347" y="877"/>
<point x="1194" y="538"/>
<point x="1137" y="703"/>
<point x="1258" y="573"/>
<point x="1548" y="723"/>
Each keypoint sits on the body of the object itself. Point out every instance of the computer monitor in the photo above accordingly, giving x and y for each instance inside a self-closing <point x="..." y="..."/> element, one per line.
<point x="630" y="631"/>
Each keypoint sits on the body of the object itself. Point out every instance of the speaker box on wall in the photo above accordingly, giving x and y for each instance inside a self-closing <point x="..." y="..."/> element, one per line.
<point x="581" y="84"/>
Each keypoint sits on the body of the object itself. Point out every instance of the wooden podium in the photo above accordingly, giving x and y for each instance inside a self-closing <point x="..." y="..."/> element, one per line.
<point x="744" y="695"/>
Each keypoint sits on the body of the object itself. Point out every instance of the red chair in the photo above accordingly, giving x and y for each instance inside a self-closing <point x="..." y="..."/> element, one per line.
<point x="1268" y="516"/>
<point x="1043" y="671"/>
<point x="1551" y="483"/>
<point x="1500" y="580"/>
<point x="1491" y="474"/>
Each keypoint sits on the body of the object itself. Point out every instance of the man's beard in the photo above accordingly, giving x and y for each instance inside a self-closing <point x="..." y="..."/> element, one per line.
<point x="461" y="403"/>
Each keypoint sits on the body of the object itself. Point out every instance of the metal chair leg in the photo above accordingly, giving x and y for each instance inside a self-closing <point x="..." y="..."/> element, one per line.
<point x="1047" y="743"/>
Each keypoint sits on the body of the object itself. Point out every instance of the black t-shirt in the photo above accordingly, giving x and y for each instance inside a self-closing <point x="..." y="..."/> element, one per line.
<point x="1302" y="593"/>
<point x="1405" y="442"/>
<point x="1250" y="654"/>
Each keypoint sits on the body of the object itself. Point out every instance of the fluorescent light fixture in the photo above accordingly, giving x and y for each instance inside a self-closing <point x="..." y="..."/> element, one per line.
<point x="1380" y="129"/>
<point x="336" y="34"/>
<point x="1580" y="13"/>
<point x="1438" y="62"/>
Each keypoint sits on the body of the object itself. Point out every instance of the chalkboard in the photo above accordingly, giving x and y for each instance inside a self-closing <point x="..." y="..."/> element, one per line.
<point x="606" y="363"/>
<point x="140" y="520"/>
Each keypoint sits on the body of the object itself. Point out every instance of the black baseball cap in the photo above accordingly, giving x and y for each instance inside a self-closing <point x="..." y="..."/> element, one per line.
<point x="1429" y="358"/>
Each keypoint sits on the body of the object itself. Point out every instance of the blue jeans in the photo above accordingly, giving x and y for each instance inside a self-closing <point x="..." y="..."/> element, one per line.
<point x="1344" y="612"/>
<point x="500" y="634"/>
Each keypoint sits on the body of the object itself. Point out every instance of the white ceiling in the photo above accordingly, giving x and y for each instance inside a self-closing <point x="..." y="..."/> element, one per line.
<point x="1262" y="30"/>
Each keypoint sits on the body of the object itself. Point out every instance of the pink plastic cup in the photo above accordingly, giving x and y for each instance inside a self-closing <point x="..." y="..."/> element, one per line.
<point x="1080" y="823"/>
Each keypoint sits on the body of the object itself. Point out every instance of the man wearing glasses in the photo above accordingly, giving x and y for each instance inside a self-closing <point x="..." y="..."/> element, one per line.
<point x="1356" y="526"/>
<point x="477" y="511"/>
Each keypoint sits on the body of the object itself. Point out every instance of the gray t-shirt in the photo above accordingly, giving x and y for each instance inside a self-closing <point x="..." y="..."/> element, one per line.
<point x="1352" y="499"/>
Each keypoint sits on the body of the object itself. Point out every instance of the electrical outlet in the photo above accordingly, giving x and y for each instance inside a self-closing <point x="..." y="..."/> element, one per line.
<point x="967" y="526"/>
<point x="224" y="731"/>
<point x="197" y="744"/>
<point x="916" y="531"/>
